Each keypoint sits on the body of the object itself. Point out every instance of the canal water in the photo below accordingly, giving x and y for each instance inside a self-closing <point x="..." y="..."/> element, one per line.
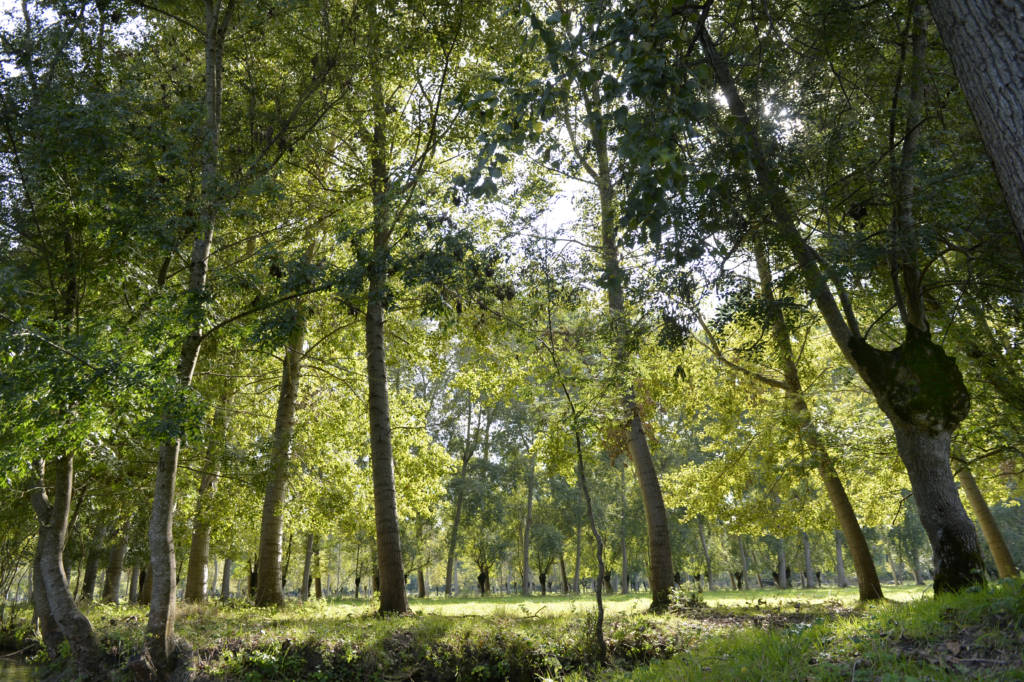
<point x="15" y="671"/>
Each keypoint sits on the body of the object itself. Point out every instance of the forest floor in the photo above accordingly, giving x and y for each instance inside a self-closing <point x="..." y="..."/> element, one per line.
<point x="752" y="634"/>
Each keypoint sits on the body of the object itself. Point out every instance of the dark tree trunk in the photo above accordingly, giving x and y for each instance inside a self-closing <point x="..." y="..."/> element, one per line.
<point x="808" y="569"/>
<point x="783" y="569"/>
<point x="92" y="569"/>
<point x="985" y="41"/>
<point x="421" y="583"/>
<point x="704" y="550"/>
<point x="543" y="584"/>
<point x="146" y="588"/>
<point x="225" y="584"/>
<point x="307" y="567"/>
<point x="565" y="581"/>
<point x="527" y="522"/>
<point x="270" y="583"/>
<point x="199" y="552"/>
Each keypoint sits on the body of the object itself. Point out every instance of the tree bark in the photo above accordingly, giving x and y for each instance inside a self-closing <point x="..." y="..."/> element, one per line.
<point x="985" y="42"/>
<point x="269" y="576"/>
<point x="808" y="569"/>
<point x="92" y="569"/>
<point x="658" y="538"/>
<point x="160" y="640"/>
<point x="53" y="526"/>
<point x="421" y="583"/>
<point x="579" y="552"/>
<point x="49" y="630"/>
<point x="133" y="585"/>
<point x="989" y="527"/>
<point x="783" y="579"/>
<point x="917" y="386"/>
<point x="565" y="581"/>
<point x="307" y="567"/>
<point x="115" y="568"/>
<point x="622" y="532"/>
<point x="225" y="585"/>
<point x="527" y="578"/>
<point x="199" y="552"/>
<point x="704" y="551"/>
<point x="840" y="563"/>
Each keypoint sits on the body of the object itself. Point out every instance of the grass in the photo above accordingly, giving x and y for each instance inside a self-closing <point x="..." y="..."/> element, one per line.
<point x="757" y="634"/>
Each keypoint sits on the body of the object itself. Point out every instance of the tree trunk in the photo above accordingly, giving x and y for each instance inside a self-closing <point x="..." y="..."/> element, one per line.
<point x="579" y="551"/>
<point x="622" y="532"/>
<point x="133" y="584"/>
<point x="269" y="576"/>
<point x="527" y="578"/>
<point x="53" y="526"/>
<point x="318" y="588"/>
<point x="916" y="384"/>
<point x="989" y="527"/>
<point x="115" y="567"/>
<point x="389" y="544"/>
<point x="160" y="640"/>
<point x="146" y="588"/>
<point x="840" y="563"/>
<point x="49" y="630"/>
<point x="783" y="579"/>
<point x="869" y="586"/>
<point x="565" y="581"/>
<point x="808" y="569"/>
<point x="199" y="552"/>
<point x="602" y="648"/>
<point x="92" y="569"/>
<point x="421" y="583"/>
<point x="746" y="565"/>
<point x="704" y="550"/>
<point x="985" y="42"/>
<point x="225" y="585"/>
<point x="956" y="554"/>
<point x="658" y="538"/>
<point x="307" y="567"/>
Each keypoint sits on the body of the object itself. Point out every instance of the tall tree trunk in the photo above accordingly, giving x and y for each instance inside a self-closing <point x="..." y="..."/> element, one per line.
<point x="92" y="569"/>
<point x="115" y="568"/>
<point x="579" y="552"/>
<point x="783" y="569"/>
<point x="421" y="583"/>
<point x="307" y="567"/>
<point x="704" y="551"/>
<point x="917" y="386"/>
<point x="745" y="561"/>
<point x="53" y="527"/>
<point x="133" y="584"/>
<point x="840" y="563"/>
<point x="389" y="545"/>
<point x="160" y="640"/>
<point x="989" y="527"/>
<point x="527" y="522"/>
<point x="199" y="552"/>
<point x="658" y="539"/>
<point x="565" y="581"/>
<point x="985" y="42"/>
<point x="269" y="582"/>
<point x="870" y="587"/>
<point x="622" y="532"/>
<point x="581" y="476"/>
<point x="225" y="585"/>
<point x="146" y="588"/>
<point x="808" y="569"/>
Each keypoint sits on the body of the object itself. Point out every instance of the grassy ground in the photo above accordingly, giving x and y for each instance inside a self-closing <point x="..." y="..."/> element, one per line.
<point x="755" y="634"/>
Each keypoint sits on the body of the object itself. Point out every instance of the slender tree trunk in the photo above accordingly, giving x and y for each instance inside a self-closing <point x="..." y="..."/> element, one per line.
<point x="782" y="567"/>
<point x="745" y="563"/>
<point x="622" y="532"/>
<point x="92" y="569"/>
<point x="565" y="581"/>
<point x="307" y="567"/>
<point x="917" y="386"/>
<point x="658" y="538"/>
<point x="115" y="568"/>
<point x="133" y="584"/>
<point x="318" y="589"/>
<point x="53" y="526"/>
<point x="160" y="639"/>
<point x="389" y="544"/>
<point x="808" y="569"/>
<point x="421" y="583"/>
<point x="840" y="563"/>
<point x="199" y="552"/>
<point x="989" y="527"/>
<point x="269" y="576"/>
<point x="527" y="578"/>
<point x="146" y="587"/>
<point x="704" y="550"/>
<point x="579" y="552"/>
<point x="581" y="475"/>
<point x="985" y="42"/>
<point x="225" y="584"/>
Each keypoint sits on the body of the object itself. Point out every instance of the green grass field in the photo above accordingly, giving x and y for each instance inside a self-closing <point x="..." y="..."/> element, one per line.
<point x="754" y="634"/>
